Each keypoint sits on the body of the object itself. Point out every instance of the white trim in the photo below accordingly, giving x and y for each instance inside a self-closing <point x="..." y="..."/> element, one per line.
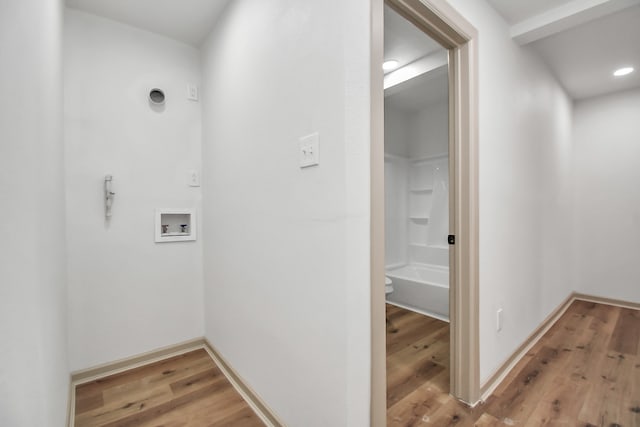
<point x="607" y="301"/>
<point x="71" y="404"/>
<point x="134" y="366"/>
<point x="136" y="361"/>
<point x="107" y="369"/>
<point x="242" y="388"/>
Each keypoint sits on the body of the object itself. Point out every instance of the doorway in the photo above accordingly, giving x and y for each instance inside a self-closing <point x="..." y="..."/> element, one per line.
<point x="416" y="163"/>
<point x="442" y="23"/>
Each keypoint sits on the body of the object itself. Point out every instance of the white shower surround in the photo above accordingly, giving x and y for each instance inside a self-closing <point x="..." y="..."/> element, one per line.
<point x="416" y="210"/>
<point x="417" y="219"/>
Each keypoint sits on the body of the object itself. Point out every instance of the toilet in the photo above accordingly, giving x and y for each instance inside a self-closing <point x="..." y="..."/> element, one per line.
<point x="388" y="288"/>
<point x="388" y="285"/>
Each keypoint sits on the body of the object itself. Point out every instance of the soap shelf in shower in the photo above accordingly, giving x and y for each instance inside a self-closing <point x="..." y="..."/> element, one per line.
<point x="419" y="218"/>
<point x="422" y="190"/>
<point x="419" y="245"/>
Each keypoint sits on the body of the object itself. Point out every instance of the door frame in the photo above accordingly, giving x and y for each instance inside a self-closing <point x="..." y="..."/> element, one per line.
<point x="445" y="25"/>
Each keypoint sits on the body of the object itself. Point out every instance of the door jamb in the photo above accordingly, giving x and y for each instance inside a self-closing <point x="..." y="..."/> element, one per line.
<point x="444" y="24"/>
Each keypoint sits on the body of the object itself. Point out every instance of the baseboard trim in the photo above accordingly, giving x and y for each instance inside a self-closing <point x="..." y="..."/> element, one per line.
<point x="71" y="403"/>
<point x="499" y="375"/>
<point x="607" y="301"/>
<point x="503" y="370"/>
<point x="250" y="396"/>
<point x="121" y="365"/>
<point x="106" y="369"/>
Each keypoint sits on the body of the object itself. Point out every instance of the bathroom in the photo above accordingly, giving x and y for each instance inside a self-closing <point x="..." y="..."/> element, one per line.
<point x="416" y="203"/>
<point x="416" y="171"/>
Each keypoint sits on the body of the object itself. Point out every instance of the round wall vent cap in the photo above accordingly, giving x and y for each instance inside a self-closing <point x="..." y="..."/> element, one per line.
<point x="156" y="96"/>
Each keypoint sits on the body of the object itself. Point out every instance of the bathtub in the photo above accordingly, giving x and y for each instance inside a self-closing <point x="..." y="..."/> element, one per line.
<point x="421" y="288"/>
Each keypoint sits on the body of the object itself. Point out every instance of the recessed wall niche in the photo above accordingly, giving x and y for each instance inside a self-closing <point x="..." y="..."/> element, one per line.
<point x="175" y="225"/>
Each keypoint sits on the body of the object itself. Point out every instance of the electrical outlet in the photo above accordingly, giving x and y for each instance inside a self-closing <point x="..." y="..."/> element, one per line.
<point x="193" y="178"/>
<point x="499" y="320"/>
<point x="309" y="150"/>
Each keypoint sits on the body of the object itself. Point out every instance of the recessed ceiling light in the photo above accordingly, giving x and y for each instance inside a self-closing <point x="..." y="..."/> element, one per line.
<point x="623" y="71"/>
<point x="389" y="65"/>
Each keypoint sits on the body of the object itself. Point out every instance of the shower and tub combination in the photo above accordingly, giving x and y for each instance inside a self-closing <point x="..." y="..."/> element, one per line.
<point x="417" y="221"/>
<point x="416" y="174"/>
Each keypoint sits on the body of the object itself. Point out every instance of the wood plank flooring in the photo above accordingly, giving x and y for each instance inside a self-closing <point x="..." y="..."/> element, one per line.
<point x="185" y="390"/>
<point x="585" y="372"/>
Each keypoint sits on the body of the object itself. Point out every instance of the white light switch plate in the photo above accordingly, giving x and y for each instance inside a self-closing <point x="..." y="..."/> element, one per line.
<point x="309" y="150"/>
<point x="192" y="92"/>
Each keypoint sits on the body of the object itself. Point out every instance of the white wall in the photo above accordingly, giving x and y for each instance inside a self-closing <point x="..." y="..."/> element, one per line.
<point x="396" y="185"/>
<point x="429" y="131"/>
<point x="287" y="250"/>
<point x="396" y="132"/>
<point x="34" y="377"/>
<point x="396" y="181"/>
<point x="417" y="134"/>
<point x="525" y="161"/>
<point x="128" y="294"/>
<point x="606" y="228"/>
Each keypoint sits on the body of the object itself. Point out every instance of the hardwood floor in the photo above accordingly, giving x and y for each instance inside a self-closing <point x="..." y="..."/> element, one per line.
<point x="585" y="371"/>
<point x="417" y="366"/>
<point x="186" y="390"/>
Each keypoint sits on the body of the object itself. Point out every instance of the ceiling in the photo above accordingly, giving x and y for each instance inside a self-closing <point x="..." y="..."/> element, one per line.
<point x="403" y="41"/>
<point x="514" y="11"/>
<point x="583" y="58"/>
<point x="582" y="41"/>
<point x="421" y="79"/>
<point x="188" y="21"/>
